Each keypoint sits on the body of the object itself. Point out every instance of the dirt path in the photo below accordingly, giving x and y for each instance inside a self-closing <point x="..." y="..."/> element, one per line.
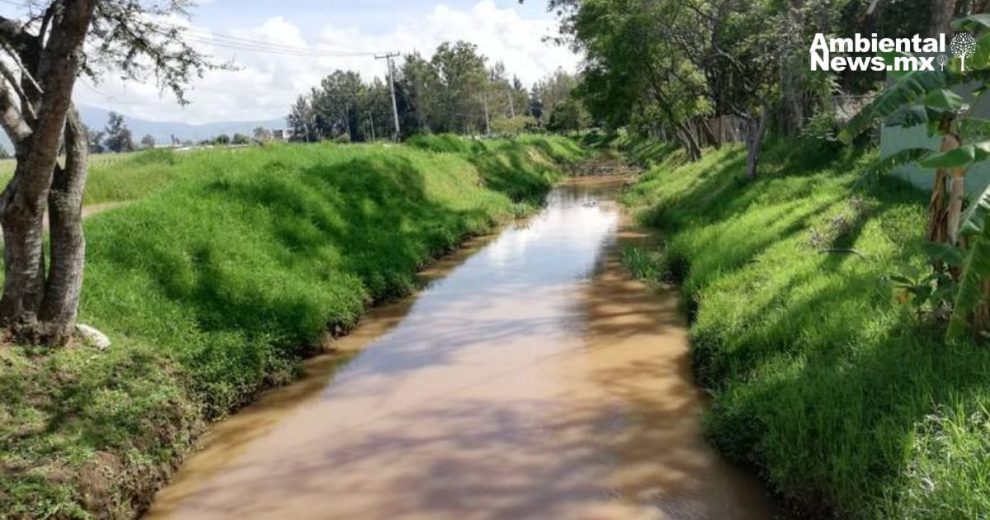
<point x="534" y="379"/>
<point x="92" y="209"/>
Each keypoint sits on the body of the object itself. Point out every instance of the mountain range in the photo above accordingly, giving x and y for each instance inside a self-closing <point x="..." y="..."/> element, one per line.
<point x="95" y="117"/>
<point x="161" y="131"/>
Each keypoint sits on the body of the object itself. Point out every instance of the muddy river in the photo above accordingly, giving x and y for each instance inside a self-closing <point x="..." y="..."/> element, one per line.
<point x="531" y="378"/>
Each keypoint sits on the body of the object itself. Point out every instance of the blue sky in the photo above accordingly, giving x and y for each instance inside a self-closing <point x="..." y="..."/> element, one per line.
<point x="266" y="84"/>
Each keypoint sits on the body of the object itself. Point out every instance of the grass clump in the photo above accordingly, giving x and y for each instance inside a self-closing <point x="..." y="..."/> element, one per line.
<point x="214" y="285"/>
<point x="840" y="397"/>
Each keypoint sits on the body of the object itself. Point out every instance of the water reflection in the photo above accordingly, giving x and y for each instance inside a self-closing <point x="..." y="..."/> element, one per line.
<point x="535" y="380"/>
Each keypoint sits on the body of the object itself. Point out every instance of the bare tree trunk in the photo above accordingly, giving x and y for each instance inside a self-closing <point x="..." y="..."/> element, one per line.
<point x="755" y="129"/>
<point x="937" y="223"/>
<point x="68" y="246"/>
<point x="942" y="13"/>
<point x="710" y="134"/>
<point x="792" y="107"/>
<point x="938" y="220"/>
<point x="689" y="142"/>
<point x="23" y="260"/>
<point x="957" y="194"/>
<point x="26" y="197"/>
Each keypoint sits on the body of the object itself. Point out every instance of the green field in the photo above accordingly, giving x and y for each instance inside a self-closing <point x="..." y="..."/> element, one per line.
<point x="842" y="400"/>
<point x="228" y="269"/>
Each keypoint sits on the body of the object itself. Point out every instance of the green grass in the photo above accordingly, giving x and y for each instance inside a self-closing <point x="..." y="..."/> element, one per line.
<point x="230" y="268"/>
<point x="120" y="177"/>
<point x="842" y="400"/>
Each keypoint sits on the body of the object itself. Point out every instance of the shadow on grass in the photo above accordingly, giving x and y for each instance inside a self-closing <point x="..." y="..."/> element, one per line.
<point x="821" y="380"/>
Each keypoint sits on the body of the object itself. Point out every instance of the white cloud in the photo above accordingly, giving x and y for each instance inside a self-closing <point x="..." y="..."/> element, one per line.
<point x="266" y="84"/>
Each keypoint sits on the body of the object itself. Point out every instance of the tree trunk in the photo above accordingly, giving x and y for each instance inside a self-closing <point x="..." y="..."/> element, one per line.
<point x="68" y="246"/>
<point x="23" y="260"/>
<point x="23" y="202"/>
<point x="689" y="142"/>
<point x="942" y="13"/>
<point x="792" y="106"/>
<point x="957" y="194"/>
<point x="710" y="134"/>
<point x="755" y="129"/>
<point x="939" y="228"/>
<point x="937" y="222"/>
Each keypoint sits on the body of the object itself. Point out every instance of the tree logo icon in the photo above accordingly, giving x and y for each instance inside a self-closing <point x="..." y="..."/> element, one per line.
<point x="943" y="60"/>
<point x="962" y="45"/>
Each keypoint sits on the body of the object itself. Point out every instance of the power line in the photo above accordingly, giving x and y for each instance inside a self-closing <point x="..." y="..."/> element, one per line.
<point x="262" y="48"/>
<point x="250" y="41"/>
<point x="227" y="41"/>
<point x="207" y="36"/>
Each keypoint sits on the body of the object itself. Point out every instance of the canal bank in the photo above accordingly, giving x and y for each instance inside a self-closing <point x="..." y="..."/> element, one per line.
<point x="533" y="377"/>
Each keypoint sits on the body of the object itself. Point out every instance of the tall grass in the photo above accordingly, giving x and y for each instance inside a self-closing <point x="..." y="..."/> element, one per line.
<point x="230" y="268"/>
<point x="839" y="396"/>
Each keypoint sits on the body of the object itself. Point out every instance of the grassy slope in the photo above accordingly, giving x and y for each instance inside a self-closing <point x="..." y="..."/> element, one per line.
<point x="841" y="399"/>
<point x="214" y="286"/>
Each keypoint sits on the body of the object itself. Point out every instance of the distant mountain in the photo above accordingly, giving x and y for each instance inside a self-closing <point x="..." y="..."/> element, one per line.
<point x="96" y="118"/>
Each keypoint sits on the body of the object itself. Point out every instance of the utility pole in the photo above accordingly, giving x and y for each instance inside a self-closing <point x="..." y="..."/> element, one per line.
<point x="488" y="123"/>
<point x="391" y="84"/>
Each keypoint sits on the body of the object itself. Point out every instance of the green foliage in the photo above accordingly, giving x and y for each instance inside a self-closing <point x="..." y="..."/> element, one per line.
<point x="512" y="125"/>
<point x="569" y="116"/>
<point x="975" y="268"/>
<point x="216" y="283"/>
<point x="117" y="137"/>
<point x="905" y="91"/>
<point x="821" y="379"/>
<point x="923" y="98"/>
<point x="644" y="263"/>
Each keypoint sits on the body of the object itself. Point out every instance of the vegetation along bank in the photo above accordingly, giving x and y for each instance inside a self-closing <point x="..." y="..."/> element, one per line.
<point x="826" y="379"/>
<point x="229" y="268"/>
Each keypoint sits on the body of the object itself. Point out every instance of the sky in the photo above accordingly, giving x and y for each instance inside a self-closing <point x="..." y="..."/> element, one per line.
<point x="266" y="84"/>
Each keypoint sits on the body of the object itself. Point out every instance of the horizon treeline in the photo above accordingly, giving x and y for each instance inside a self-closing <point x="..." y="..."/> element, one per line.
<point x="456" y="90"/>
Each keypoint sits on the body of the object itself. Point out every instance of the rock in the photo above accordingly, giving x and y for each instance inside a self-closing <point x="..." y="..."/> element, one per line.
<point x="93" y="336"/>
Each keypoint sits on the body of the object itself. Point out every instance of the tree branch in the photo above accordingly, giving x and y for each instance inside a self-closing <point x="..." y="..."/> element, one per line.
<point x="11" y="120"/>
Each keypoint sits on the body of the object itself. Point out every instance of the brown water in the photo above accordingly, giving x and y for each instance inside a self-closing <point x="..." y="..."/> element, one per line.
<point x="532" y="378"/>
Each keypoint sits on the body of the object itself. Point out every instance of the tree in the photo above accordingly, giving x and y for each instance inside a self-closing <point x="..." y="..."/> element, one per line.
<point x="94" y="140"/>
<point x="462" y="75"/>
<point x="240" y="138"/>
<point x="418" y="95"/>
<point x="569" y="116"/>
<point x="147" y="141"/>
<point x="301" y="121"/>
<point x="262" y="134"/>
<point x="56" y="41"/>
<point x="222" y="140"/>
<point x="551" y="91"/>
<point x="118" y="137"/>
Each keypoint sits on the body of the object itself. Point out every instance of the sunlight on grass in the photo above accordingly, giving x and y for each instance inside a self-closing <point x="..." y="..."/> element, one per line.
<point x="831" y="389"/>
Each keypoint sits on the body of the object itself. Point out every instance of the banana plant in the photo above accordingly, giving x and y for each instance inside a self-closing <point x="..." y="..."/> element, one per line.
<point x="925" y="98"/>
<point x="970" y="312"/>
